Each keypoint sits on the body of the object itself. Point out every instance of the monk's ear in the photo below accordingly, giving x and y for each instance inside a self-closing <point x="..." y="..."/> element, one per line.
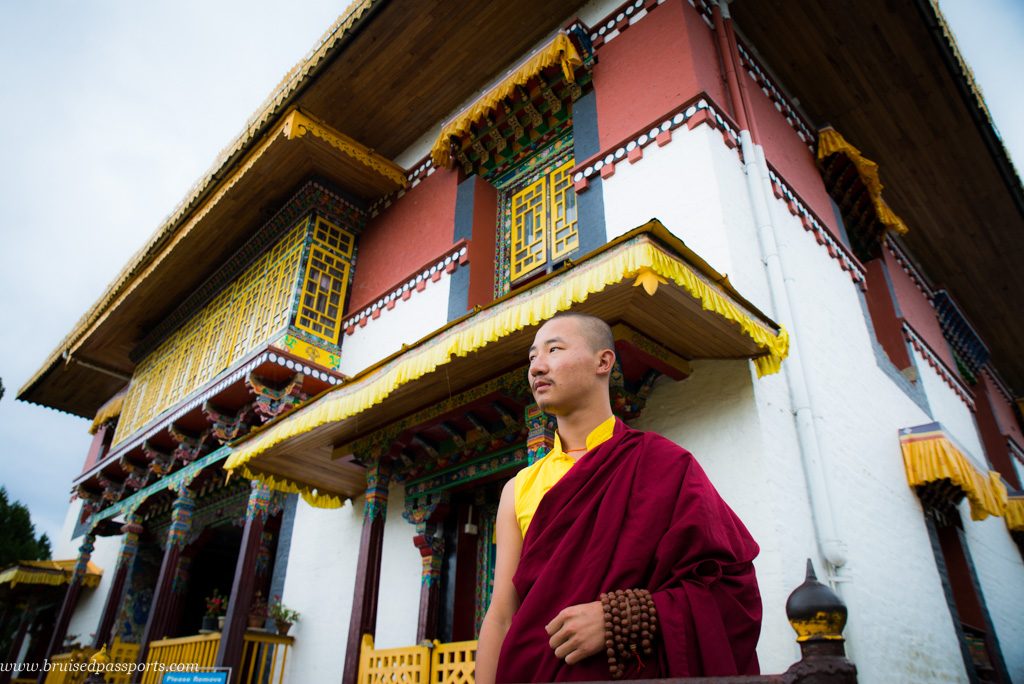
<point x="605" y="362"/>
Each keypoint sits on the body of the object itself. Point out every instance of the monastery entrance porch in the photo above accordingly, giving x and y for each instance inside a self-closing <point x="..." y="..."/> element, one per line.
<point x="450" y="418"/>
<point x="202" y="548"/>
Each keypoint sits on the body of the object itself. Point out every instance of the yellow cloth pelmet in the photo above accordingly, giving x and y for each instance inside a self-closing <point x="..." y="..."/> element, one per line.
<point x="936" y="458"/>
<point x="559" y="51"/>
<point x="831" y="142"/>
<point x="514" y="314"/>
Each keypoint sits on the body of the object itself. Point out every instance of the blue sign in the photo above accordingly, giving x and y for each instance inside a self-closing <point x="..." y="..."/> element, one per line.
<point x="220" y="677"/>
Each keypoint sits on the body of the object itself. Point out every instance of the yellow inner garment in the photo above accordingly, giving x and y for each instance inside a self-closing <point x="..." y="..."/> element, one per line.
<point x="534" y="481"/>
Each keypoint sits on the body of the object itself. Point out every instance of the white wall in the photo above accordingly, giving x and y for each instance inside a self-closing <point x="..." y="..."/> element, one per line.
<point x="399" y="602"/>
<point x="321" y="581"/>
<point x="950" y="410"/>
<point x="410" y="320"/>
<point x="673" y="185"/>
<point x="320" y="584"/>
<point x="858" y="409"/>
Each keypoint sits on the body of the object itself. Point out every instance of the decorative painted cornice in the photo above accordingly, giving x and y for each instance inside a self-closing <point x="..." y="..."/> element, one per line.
<point x="271" y="402"/>
<point x="900" y="254"/>
<point x="298" y="124"/>
<point x="457" y="255"/>
<point x="836" y="249"/>
<point x="998" y="382"/>
<point x="774" y="93"/>
<point x="693" y="114"/>
<point x="948" y="376"/>
<point x="216" y="386"/>
<point x="967" y="344"/>
<point x="613" y="25"/>
<point x="513" y="384"/>
<point x="189" y="447"/>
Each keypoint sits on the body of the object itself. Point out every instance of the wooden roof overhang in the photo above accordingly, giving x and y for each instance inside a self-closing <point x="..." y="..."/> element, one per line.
<point x="129" y="466"/>
<point x="299" y="148"/>
<point x="646" y="279"/>
<point x="888" y="76"/>
<point x="383" y="75"/>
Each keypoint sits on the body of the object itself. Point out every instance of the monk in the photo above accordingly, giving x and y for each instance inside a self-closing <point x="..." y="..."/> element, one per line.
<point x="610" y="509"/>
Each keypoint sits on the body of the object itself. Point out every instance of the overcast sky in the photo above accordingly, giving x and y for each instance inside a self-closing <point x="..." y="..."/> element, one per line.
<point x="112" y="109"/>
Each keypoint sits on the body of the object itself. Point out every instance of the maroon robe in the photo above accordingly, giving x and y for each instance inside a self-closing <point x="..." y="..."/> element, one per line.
<point x="637" y="512"/>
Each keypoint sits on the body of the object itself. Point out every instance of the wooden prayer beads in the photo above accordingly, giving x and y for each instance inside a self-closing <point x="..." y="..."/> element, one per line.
<point x="630" y="622"/>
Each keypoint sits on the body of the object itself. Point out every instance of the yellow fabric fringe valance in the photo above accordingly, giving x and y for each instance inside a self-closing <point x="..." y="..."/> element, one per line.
<point x="930" y="455"/>
<point x="831" y="142"/>
<point x="559" y="51"/>
<point x="51" y="573"/>
<point x="109" y="411"/>
<point x="638" y="259"/>
<point x="1015" y="513"/>
<point x="282" y="484"/>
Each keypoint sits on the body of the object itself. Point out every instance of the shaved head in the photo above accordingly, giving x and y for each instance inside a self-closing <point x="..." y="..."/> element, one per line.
<point x="597" y="333"/>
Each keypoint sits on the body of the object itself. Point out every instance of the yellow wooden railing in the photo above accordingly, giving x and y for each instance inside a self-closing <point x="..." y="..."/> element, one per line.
<point x="263" y="656"/>
<point x="62" y="664"/>
<point x="453" y="663"/>
<point x="200" y="650"/>
<point x="438" y="663"/>
<point x="120" y="653"/>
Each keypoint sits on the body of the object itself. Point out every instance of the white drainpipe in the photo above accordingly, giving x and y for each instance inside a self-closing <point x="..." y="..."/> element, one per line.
<point x="783" y="287"/>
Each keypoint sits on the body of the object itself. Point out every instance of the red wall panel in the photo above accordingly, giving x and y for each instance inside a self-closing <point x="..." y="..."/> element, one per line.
<point x="1002" y="410"/>
<point x="416" y="228"/>
<point x="917" y="310"/>
<point x="656" y="64"/>
<point x="788" y="153"/>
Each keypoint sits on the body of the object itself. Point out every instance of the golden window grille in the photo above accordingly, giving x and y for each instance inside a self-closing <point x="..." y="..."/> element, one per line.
<point x="241" y="317"/>
<point x="322" y="295"/>
<point x="544" y="221"/>
<point x="529" y="234"/>
<point x="565" y="237"/>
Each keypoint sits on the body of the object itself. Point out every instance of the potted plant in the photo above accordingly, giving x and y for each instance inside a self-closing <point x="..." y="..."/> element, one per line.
<point x="215" y="607"/>
<point x="258" y="611"/>
<point x="282" y="615"/>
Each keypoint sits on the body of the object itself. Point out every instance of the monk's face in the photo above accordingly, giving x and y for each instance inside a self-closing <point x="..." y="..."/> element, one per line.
<point x="565" y="371"/>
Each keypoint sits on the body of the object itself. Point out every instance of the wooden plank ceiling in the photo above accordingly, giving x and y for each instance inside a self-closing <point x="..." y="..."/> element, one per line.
<point x="412" y="64"/>
<point x="883" y="74"/>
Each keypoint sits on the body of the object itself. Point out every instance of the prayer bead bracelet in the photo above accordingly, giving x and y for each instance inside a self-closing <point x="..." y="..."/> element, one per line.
<point x="630" y="622"/>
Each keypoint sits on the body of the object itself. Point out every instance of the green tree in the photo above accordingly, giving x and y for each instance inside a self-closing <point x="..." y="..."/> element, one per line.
<point x="18" y="539"/>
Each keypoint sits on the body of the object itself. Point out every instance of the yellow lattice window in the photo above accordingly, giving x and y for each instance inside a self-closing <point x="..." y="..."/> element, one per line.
<point x="544" y="225"/>
<point x="529" y="247"/>
<point x="322" y="296"/>
<point x="236" y="321"/>
<point x="565" y="238"/>
<point x="334" y="237"/>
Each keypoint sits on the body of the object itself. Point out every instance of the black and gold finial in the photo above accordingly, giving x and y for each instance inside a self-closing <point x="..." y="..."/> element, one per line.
<point x="815" y="611"/>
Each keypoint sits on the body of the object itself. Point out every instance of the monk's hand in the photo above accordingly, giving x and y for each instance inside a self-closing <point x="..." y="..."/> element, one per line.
<point x="577" y="632"/>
